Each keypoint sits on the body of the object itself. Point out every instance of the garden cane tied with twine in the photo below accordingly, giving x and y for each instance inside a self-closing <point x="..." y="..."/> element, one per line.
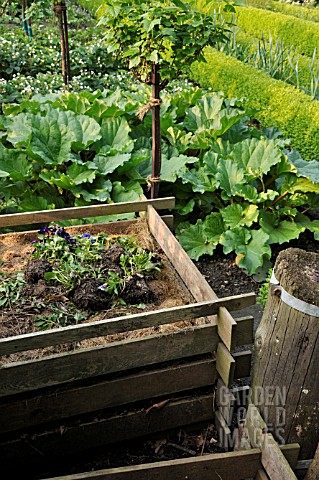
<point x="142" y="111"/>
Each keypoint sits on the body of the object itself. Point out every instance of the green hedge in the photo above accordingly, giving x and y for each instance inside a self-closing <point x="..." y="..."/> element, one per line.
<point x="95" y="7"/>
<point x="301" y="34"/>
<point x="300" y="11"/>
<point x="280" y="104"/>
<point x="246" y="41"/>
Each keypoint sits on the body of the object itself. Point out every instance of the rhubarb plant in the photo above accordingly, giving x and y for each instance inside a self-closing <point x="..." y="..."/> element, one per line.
<point x="236" y="186"/>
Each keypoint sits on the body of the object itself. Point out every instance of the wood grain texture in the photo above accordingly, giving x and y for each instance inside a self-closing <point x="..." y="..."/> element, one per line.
<point x="21" y="413"/>
<point x="274" y="462"/>
<point x="47" y="216"/>
<point x="125" y="323"/>
<point x="114" y="357"/>
<point x="286" y="375"/>
<point x="61" y="404"/>
<point x="67" y="439"/>
<point x="225" y="364"/>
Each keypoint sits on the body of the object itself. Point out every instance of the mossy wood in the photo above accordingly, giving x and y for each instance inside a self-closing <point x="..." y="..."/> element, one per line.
<point x="287" y="353"/>
<point x="273" y="459"/>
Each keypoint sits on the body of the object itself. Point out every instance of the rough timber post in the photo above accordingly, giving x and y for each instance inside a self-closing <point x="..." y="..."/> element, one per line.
<point x="285" y="385"/>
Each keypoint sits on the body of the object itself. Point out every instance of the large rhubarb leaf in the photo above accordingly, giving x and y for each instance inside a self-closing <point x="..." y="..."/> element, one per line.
<point x="194" y="240"/>
<point x="236" y="215"/>
<point x="256" y="156"/>
<point x="231" y="239"/>
<point x="279" y="232"/>
<point x="171" y="167"/>
<point x="115" y="136"/>
<point x="230" y="177"/>
<point x="255" y="252"/>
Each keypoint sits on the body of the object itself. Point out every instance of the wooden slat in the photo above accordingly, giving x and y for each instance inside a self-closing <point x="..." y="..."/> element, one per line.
<point x="227" y="327"/>
<point x="58" y="405"/>
<point x="261" y="475"/>
<point x="274" y="462"/>
<point x="225" y="401"/>
<point x="291" y="453"/>
<point x="215" y="466"/>
<point x="191" y="276"/>
<point x="45" y="216"/>
<point x="223" y="431"/>
<point x="255" y="425"/>
<point x="114" y="357"/>
<point x="225" y="364"/>
<point x="244" y="335"/>
<point x="73" y="438"/>
<point x="120" y="324"/>
<point x="26" y="412"/>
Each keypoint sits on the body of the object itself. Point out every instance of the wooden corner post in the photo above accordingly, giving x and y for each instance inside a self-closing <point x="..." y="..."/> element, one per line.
<point x="285" y="385"/>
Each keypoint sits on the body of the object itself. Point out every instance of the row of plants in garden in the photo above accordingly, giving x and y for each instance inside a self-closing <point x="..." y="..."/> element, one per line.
<point x="235" y="185"/>
<point x="301" y="34"/>
<point x="279" y="104"/>
<point x="29" y="67"/>
<point x="306" y="11"/>
<point x="276" y="59"/>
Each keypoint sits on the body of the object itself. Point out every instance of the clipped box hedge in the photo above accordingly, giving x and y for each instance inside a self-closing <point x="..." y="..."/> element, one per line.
<point x="306" y="12"/>
<point x="292" y="111"/>
<point x="301" y="34"/>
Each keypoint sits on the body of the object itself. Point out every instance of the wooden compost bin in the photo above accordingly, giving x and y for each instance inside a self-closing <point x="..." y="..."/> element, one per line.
<point x="51" y="406"/>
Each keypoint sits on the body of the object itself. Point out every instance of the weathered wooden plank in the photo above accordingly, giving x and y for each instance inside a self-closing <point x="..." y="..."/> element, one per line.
<point x="225" y="364"/>
<point x="225" y="401"/>
<point x="191" y="276"/>
<point x="261" y="475"/>
<point x="287" y="351"/>
<point x="313" y="472"/>
<point x="45" y="216"/>
<point x="114" y="357"/>
<point x="291" y="453"/>
<point x="58" y="405"/>
<point x="273" y="460"/>
<point x="245" y="334"/>
<point x="124" y="323"/>
<point x="226" y="327"/>
<point x="72" y="438"/>
<point x="223" y="431"/>
<point x="215" y="466"/>
<point x="26" y="412"/>
<point x="255" y="425"/>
